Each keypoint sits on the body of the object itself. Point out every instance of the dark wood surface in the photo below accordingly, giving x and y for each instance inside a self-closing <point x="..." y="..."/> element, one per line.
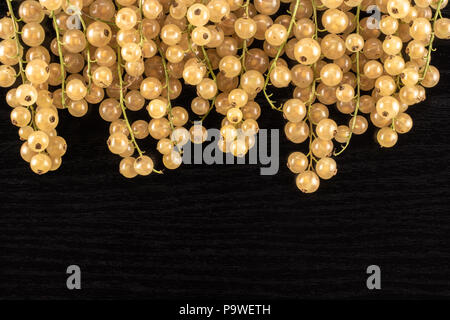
<point x="225" y="231"/>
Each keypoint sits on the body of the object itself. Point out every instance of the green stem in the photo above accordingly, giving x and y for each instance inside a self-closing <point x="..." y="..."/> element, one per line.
<point x="358" y="93"/>
<point x="430" y="44"/>
<point x="61" y="60"/>
<point x="16" y="38"/>
<point x="88" y="56"/>
<point x="211" y="71"/>
<point x="141" y="33"/>
<point x="311" y="129"/>
<point x="208" y="64"/>
<point x="210" y="108"/>
<point x="124" y="109"/>
<point x="166" y="73"/>
<point x="121" y="101"/>
<point x="243" y="54"/>
<point x="274" y="62"/>
<point x="316" y="22"/>
<point x="312" y="96"/>
<point x="189" y="30"/>
<point x="98" y="19"/>
<point x="244" y="43"/>
<point x="247" y="3"/>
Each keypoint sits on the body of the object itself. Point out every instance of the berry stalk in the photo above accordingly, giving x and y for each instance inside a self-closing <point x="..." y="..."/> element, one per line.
<point x="430" y="43"/>
<point x="310" y="155"/>
<point x="280" y="49"/>
<point x="141" y="33"/>
<point x="124" y="109"/>
<point x="88" y="55"/>
<point x="311" y="129"/>
<point x="358" y="88"/>
<point x="61" y="60"/>
<point x="211" y="71"/>
<point x="244" y="43"/>
<point x="166" y="74"/>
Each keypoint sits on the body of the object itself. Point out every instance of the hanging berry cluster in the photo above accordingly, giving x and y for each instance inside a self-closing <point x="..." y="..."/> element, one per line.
<point x="125" y="55"/>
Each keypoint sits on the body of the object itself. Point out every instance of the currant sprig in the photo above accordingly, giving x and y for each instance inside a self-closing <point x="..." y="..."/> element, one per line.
<point x="167" y="85"/>
<point x="244" y="42"/>
<point x="19" y="49"/>
<point x="358" y="86"/>
<point x="437" y="14"/>
<point x="124" y="109"/>
<point x="213" y="76"/>
<point x="279" y="51"/>
<point x="61" y="59"/>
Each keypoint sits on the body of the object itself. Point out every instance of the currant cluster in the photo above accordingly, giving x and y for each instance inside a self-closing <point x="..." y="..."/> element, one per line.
<point x="33" y="109"/>
<point x="362" y="66"/>
<point x="125" y="55"/>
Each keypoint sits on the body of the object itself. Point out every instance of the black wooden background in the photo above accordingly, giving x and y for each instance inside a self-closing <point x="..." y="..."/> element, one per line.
<point x="225" y="231"/>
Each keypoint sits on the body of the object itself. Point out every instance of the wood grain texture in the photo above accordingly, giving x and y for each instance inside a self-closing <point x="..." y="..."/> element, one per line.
<point x="225" y="231"/>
